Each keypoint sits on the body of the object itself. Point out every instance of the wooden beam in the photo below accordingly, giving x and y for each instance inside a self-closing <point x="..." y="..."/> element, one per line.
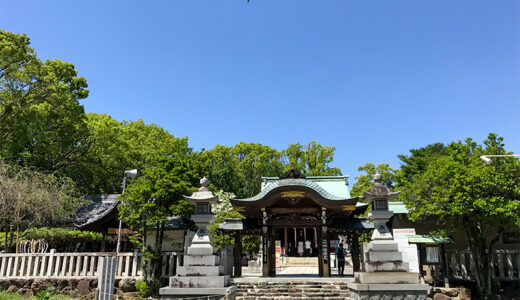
<point x="298" y="210"/>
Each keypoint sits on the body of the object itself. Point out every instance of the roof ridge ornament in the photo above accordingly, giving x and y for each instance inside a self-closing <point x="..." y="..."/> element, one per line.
<point x="292" y="173"/>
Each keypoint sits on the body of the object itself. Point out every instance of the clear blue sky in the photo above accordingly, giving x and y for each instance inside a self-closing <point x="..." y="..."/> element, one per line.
<point x="372" y="78"/>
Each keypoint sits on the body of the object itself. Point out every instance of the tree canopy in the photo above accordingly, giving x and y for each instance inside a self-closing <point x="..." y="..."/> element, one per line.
<point x="42" y="124"/>
<point x="457" y="190"/>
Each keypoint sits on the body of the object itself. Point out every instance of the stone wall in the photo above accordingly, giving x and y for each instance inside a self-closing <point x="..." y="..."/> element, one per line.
<point x="438" y="293"/>
<point x="74" y="288"/>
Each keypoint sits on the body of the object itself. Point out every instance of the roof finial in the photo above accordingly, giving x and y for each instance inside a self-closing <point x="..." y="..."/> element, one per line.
<point x="378" y="178"/>
<point x="204" y="182"/>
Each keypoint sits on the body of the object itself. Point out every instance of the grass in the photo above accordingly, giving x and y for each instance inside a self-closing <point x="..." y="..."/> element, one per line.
<point x="15" y="296"/>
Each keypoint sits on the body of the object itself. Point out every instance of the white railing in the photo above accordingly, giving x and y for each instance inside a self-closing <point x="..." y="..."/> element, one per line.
<point x="505" y="265"/>
<point x="78" y="265"/>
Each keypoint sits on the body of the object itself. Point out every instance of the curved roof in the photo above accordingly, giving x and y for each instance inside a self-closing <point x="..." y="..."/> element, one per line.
<point x="293" y="182"/>
<point x="101" y="206"/>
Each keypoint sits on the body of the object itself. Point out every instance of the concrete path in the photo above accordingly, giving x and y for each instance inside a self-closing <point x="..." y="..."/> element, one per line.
<point x="294" y="272"/>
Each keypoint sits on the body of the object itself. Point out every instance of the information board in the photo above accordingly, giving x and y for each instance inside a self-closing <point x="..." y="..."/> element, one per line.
<point x="408" y="250"/>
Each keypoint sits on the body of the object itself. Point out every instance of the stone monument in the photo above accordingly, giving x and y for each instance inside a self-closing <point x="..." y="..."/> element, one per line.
<point x="201" y="274"/>
<point x="383" y="274"/>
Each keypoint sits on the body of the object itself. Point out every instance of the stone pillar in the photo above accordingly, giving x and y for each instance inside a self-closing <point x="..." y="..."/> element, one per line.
<point x="237" y="253"/>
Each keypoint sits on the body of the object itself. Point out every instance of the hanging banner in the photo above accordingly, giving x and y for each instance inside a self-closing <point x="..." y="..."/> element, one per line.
<point x="278" y="252"/>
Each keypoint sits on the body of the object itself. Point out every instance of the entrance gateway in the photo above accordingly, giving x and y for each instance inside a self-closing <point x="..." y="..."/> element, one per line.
<point x="297" y="211"/>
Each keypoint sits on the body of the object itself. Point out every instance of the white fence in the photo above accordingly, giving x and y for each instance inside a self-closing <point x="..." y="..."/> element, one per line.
<point x="78" y="265"/>
<point x="505" y="265"/>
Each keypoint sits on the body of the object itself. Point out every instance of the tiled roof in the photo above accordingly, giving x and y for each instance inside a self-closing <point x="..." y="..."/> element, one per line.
<point x="100" y="206"/>
<point x="295" y="182"/>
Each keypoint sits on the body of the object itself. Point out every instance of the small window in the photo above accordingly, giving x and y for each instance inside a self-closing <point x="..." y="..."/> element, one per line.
<point x="381" y="205"/>
<point x="203" y="208"/>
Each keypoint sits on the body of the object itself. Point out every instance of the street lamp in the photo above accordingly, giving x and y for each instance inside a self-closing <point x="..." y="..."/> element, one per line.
<point x="128" y="174"/>
<point x="487" y="158"/>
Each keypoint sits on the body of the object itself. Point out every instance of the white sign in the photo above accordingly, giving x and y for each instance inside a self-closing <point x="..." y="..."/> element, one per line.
<point x="409" y="250"/>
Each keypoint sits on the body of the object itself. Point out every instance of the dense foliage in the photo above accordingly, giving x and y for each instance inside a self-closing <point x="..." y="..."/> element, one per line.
<point x="30" y="199"/>
<point x="61" y="239"/>
<point x="42" y="124"/>
<point x="463" y="193"/>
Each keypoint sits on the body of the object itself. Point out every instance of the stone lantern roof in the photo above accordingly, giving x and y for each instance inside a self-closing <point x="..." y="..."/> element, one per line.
<point x="203" y="195"/>
<point x="379" y="191"/>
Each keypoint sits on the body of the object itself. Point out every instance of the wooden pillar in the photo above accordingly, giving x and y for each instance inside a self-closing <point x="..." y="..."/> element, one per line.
<point x="324" y="255"/>
<point x="321" y="266"/>
<point x="285" y="240"/>
<point x="265" y="255"/>
<point x="271" y="252"/>
<point x="237" y="255"/>
<point x="355" y="251"/>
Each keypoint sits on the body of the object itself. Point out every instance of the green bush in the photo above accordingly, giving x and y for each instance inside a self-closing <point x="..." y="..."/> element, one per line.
<point x="142" y="288"/>
<point x="45" y="295"/>
<point x="62" y="239"/>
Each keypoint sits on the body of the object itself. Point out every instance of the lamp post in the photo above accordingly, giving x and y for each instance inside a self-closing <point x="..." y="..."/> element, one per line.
<point x="128" y="174"/>
<point x="487" y="158"/>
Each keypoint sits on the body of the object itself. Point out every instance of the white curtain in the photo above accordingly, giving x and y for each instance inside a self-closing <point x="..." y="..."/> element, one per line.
<point x="433" y="255"/>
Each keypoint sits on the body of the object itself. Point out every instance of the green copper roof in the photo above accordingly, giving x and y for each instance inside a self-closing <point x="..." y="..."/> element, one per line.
<point x="427" y="239"/>
<point x="397" y="207"/>
<point x="336" y="186"/>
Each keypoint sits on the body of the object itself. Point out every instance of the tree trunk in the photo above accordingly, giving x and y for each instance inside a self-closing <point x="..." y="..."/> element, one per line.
<point x="479" y="248"/>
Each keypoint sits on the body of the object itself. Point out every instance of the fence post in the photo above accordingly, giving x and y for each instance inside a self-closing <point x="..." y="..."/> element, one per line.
<point x="51" y="260"/>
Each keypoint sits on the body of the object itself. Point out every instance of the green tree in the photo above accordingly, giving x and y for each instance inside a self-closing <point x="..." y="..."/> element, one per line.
<point x="462" y="193"/>
<point x="42" y="124"/>
<point x="418" y="160"/>
<point x="157" y="195"/>
<point x="29" y="199"/>
<point x="239" y="169"/>
<point x="119" y="146"/>
<point x="312" y="159"/>
<point x="366" y="181"/>
<point x="223" y="210"/>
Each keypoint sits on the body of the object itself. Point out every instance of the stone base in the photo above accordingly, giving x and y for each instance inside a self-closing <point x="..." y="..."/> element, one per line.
<point x="386" y="277"/>
<point x="381" y="291"/>
<point x="168" y="293"/>
<point x="199" y="281"/>
<point x="200" y="270"/>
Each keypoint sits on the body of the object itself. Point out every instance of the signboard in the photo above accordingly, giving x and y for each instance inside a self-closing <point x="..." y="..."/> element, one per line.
<point x="278" y="252"/>
<point x="325" y="251"/>
<point x="409" y="251"/>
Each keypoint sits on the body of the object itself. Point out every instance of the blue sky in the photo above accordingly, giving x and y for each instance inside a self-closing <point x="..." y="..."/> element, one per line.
<point x="372" y="78"/>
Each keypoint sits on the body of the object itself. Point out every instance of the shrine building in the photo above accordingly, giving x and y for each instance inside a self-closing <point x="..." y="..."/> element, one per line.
<point x="299" y="214"/>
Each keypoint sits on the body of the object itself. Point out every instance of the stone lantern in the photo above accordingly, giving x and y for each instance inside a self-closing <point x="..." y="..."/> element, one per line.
<point x="201" y="274"/>
<point x="384" y="275"/>
<point x="202" y="200"/>
<point x="379" y="195"/>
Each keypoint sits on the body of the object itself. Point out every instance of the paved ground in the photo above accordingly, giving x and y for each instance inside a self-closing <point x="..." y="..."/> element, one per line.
<point x="294" y="272"/>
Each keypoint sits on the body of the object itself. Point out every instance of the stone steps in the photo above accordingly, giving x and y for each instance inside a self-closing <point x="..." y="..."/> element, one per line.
<point x="292" y="290"/>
